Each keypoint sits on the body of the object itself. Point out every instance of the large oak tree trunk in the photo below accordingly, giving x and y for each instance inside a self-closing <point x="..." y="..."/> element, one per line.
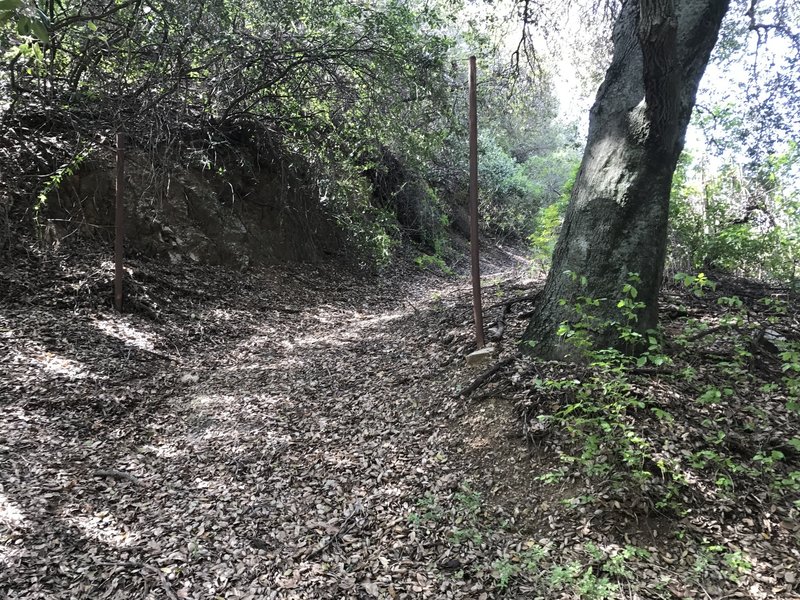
<point x="616" y="221"/>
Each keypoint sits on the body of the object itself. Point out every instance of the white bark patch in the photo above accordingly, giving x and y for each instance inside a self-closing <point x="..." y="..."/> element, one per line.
<point x="613" y="177"/>
<point x="638" y="124"/>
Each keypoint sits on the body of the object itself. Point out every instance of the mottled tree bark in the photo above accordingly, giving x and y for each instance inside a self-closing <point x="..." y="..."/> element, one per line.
<point x="616" y="221"/>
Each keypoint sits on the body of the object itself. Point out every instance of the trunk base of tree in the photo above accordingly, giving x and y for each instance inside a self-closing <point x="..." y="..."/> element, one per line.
<point x="612" y="245"/>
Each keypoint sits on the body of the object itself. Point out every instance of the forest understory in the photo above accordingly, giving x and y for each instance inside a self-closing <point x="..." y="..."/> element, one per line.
<point x="301" y="432"/>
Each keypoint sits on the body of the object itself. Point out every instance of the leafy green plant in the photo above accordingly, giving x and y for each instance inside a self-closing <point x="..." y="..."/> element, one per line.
<point x="790" y="367"/>
<point x="592" y="587"/>
<point x="712" y="395"/>
<point x="733" y="564"/>
<point x="582" y="582"/>
<point x="736" y="565"/>
<point x="562" y="576"/>
<point x="515" y="563"/>
<point x="30" y="21"/>
<point x="594" y="552"/>
<point x="597" y="416"/>
<point x="428" y="509"/>
<point x="715" y="222"/>
<point x="554" y="476"/>
<point x="426" y="262"/>
<point x="769" y="459"/>
<point x="696" y="283"/>
<point x="506" y="191"/>
<point x="616" y="564"/>
<point x="54" y="181"/>
<point x="469" y="499"/>
<point x="548" y="224"/>
<point x="503" y="570"/>
<point x="470" y="534"/>
<point x="532" y="556"/>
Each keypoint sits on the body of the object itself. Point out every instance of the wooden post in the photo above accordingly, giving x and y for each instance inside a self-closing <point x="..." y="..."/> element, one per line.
<point x="119" y="224"/>
<point x="473" y="203"/>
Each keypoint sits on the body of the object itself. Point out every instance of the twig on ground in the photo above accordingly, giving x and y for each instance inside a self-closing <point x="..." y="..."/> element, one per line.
<point x="705" y="332"/>
<point x="515" y="300"/>
<point x="346" y="526"/>
<point x="485" y="376"/>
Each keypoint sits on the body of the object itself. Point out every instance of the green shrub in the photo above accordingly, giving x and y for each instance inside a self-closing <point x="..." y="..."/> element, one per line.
<point x="506" y="193"/>
<point x="736" y="223"/>
<point x="548" y="224"/>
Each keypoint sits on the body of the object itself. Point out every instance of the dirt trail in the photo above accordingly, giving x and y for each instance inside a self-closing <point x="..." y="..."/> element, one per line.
<point x="294" y="433"/>
<point x="276" y="435"/>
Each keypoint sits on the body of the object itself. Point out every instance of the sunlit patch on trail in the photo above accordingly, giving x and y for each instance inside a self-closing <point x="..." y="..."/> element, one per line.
<point x="127" y="334"/>
<point x="11" y="516"/>
<point x="214" y="400"/>
<point x="105" y="528"/>
<point x="166" y="450"/>
<point x="37" y="355"/>
<point x="352" y="329"/>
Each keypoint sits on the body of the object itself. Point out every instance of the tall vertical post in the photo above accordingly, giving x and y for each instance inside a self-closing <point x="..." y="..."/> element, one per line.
<point x="473" y="202"/>
<point x="119" y="224"/>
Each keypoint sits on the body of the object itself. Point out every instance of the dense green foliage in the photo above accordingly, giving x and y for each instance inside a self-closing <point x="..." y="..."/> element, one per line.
<point x="548" y="225"/>
<point x="335" y="90"/>
<point x="747" y="110"/>
<point x="308" y="82"/>
<point x="724" y="219"/>
<point x="735" y="201"/>
<point x="331" y="90"/>
<point x="293" y="64"/>
<point x="615" y="425"/>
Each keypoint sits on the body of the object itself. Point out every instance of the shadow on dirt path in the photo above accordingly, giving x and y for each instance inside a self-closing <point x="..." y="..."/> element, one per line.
<point x="275" y="436"/>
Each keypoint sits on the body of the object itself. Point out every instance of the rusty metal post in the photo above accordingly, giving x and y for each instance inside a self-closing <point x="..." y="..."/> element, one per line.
<point x="473" y="202"/>
<point x="119" y="224"/>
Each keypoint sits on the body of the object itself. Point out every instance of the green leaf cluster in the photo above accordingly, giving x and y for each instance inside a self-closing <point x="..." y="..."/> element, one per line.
<point x="731" y="221"/>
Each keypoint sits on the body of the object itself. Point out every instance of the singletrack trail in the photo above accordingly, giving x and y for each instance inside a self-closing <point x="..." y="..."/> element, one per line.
<point x="273" y="435"/>
<point x="300" y="433"/>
